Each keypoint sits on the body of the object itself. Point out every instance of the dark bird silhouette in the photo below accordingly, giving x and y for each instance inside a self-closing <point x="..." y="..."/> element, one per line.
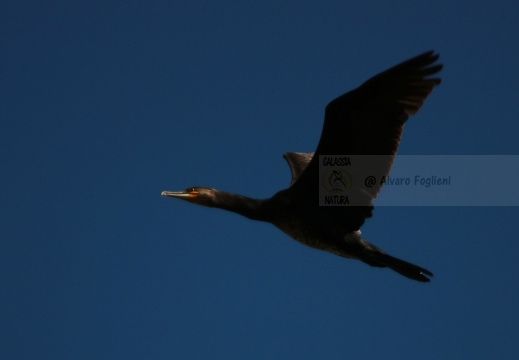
<point x="366" y="121"/>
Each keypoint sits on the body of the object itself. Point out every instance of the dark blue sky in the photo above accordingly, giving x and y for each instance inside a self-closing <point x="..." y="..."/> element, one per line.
<point x="105" y="104"/>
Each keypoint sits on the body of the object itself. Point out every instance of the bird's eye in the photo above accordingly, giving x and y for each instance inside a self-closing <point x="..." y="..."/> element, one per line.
<point x="193" y="193"/>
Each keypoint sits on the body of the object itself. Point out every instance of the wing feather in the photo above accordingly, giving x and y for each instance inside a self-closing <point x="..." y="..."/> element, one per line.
<point x="368" y="121"/>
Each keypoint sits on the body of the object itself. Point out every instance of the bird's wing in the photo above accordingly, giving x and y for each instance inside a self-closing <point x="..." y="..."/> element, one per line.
<point x="298" y="163"/>
<point x="369" y="121"/>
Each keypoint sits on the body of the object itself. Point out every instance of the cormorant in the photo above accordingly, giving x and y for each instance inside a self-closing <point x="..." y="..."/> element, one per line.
<point x="368" y="120"/>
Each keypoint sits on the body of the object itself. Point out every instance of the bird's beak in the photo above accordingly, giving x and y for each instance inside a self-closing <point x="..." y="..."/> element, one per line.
<point x="175" y="194"/>
<point x="180" y="194"/>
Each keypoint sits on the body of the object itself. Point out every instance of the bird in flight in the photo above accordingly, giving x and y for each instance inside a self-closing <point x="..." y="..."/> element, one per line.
<point x="368" y="120"/>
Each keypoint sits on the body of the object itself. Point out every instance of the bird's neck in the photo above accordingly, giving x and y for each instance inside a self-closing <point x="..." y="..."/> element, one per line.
<point x="245" y="206"/>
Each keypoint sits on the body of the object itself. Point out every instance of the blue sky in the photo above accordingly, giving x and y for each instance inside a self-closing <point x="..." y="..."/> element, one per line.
<point x="105" y="104"/>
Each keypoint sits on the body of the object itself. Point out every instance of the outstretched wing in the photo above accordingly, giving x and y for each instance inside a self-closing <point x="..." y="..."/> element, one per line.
<point x="298" y="163"/>
<point x="368" y="121"/>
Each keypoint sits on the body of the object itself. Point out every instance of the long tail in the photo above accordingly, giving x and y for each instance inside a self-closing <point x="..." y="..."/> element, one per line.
<point x="402" y="267"/>
<point x="372" y="255"/>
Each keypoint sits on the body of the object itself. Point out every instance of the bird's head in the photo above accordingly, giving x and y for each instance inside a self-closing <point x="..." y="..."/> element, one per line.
<point x="196" y="194"/>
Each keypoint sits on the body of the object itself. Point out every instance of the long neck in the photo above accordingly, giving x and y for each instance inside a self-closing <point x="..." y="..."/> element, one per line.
<point x="248" y="207"/>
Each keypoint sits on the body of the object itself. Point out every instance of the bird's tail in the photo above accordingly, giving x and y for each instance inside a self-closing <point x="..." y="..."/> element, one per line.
<point x="412" y="271"/>
<point x="374" y="256"/>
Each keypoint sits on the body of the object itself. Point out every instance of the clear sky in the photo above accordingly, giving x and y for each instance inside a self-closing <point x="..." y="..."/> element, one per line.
<point x="104" y="104"/>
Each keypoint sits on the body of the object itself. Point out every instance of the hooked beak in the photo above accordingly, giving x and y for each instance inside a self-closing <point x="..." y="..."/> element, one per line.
<point x="180" y="194"/>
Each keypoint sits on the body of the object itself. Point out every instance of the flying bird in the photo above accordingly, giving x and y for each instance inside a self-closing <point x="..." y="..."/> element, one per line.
<point x="368" y="120"/>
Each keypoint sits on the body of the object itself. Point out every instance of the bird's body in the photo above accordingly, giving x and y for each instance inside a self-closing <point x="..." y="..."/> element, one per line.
<point x="366" y="121"/>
